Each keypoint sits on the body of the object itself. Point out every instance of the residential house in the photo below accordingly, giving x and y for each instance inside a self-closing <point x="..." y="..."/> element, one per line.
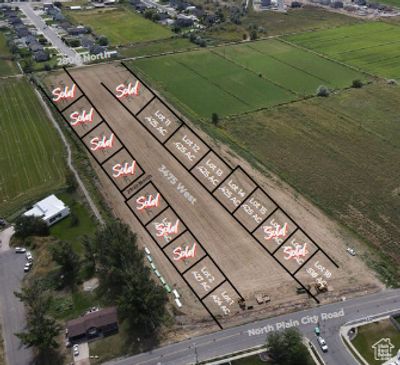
<point x="77" y="30"/>
<point x="41" y="56"/>
<point x="93" y="325"/>
<point x="50" y="209"/>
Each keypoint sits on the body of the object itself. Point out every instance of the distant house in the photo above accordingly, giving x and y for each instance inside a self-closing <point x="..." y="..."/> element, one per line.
<point x="23" y="32"/>
<point x="35" y="47"/>
<point x="75" y="7"/>
<point x="96" y="49"/>
<point x="58" y="17"/>
<point x="93" y="325"/>
<point x="77" y="30"/>
<point x="50" y="209"/>
<point x="30" y="39"/>
<point x="86" y="42"/>
<point x="183" y="21"/>
<point x="65" y="25"/>
<point x="14" y="20"/>
<point x="41" y="56"/>
<point x="265" y="3"/>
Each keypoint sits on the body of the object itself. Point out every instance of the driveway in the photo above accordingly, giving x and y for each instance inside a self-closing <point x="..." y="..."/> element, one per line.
<point x="5" y="237"/>
<point x="12" y="311"/>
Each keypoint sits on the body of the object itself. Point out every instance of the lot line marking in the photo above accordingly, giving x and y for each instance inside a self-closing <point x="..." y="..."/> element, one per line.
<point x="204" y="249"/>
<point x="158" y="214"/>
<point x="172" y="134"/>
<point x="211" y="291"/>
<point x="194" y="264"/>
<point x="64" y="109"/>
<point x="141" y="81"/>
<point x="286" y="239"/>
<point x="92" y="129"/>
<point x="119" y="149"/>
<point x="212" y="191"/>
<point x="176" y="237"/>
<point x="259" y="225"/>
<point x="305" y="262"/>
<point x="145" y="105"/>
<point x="170" y="260"/>
<point x="244" y="199"/>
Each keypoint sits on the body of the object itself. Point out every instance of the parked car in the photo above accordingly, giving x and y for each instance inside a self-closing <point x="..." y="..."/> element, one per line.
<point x="20" y="250"/>
<point x="322" y="344"/>
<point x="75" y="349"/>
<point x="351" y="251"/>
<point x="317" y="331"/>
<point x="27" y="266"/>
<point x="29" y="256"/>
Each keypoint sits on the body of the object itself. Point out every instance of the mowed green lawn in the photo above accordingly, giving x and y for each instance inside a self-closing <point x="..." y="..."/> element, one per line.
<point x="236" y="79"/>
<point x="370" y="334"/>
<point x="31" y="154"/>
<point x="120" y="25"/>
<point x="374" y="47"/>
<point x="343" y="152"/>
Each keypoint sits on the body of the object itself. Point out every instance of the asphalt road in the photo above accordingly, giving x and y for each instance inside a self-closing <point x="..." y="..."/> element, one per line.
<point x="49" y="33"/>
<point x="253" y="334"/>
<point x="11" y="309"/>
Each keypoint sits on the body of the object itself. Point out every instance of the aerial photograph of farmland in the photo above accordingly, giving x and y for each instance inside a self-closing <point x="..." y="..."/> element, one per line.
<point x="189" y="182"/>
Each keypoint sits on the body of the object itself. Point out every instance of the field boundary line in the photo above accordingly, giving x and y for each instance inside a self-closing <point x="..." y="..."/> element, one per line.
<point x="86" y="193"/>
<point x="330" y="59"/>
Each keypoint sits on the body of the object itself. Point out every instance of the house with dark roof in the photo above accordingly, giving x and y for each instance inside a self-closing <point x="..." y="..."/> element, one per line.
<point x="23" y="32"/>
<point x="35" y="47"/>
<point x="93" y="325"/>
<point x="40" y="56"/>
<point x="77" y="30"/>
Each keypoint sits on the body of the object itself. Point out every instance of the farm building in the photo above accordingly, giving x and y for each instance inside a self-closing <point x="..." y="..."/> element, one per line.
<point x="50" y="209"/>
<point x="93" y="325"/>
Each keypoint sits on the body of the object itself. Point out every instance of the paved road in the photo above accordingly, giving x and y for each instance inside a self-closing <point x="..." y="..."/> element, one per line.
<point x="11" y="309"/>
<point x="249" y="335"/>
<point x="50" y="34"/>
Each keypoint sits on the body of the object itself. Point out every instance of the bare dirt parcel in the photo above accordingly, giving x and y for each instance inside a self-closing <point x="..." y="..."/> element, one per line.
<point x="213" y="233"/>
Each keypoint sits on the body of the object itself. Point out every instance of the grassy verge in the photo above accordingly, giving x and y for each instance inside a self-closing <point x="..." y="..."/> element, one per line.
<point x="370" y="334"/>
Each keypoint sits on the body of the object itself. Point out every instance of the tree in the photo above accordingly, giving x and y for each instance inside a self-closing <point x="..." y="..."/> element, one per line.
<point x="214" y="119"/>
<point x="90" y="254"/>
<point x="124" y="278"/>
<point x="287" y="348"/>
<point x="26" y="226"/>
<point x="41" y="329"/>
<point x="357" y="84"/>
<point x="64" y="255"/>
<point x="103" y="41"/>
<point x="323" y="91"/>
<point x="253" y="35"/>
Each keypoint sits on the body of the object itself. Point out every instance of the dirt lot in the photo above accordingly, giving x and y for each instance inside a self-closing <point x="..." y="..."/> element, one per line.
<point x="213" y="234"/>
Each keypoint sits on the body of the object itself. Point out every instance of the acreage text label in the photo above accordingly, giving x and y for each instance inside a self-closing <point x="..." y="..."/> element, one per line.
<point x="208" y="169"/>
<point x="64" y="94"/>
<point x="252" y="209"/>
<point x="173" y="180"/>
<point x="127" y="90"/>
<point x="102" y="143"/>
<point x="228" y="190"/>
<point x="84" y="117"/>
<point x="124" y="169"/>
<point x="204" y="278"/>
<point x="320" y="273"/>
<point x="159" y="122"/>
<point x="220" y="302"/>
<point x="188" y="148"/>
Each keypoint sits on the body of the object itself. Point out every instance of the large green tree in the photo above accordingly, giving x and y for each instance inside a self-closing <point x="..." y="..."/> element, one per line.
<point x="26" y="226"/>
<point x="124" y="277"/>
<point x="287" y="348"/>
<point x="64" y="255"/>
<point x="41" y="329"/>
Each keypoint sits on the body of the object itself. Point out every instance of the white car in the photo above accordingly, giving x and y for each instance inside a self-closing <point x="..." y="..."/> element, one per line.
<point x="29" y="256"/>
<point x="351" y="251"/>
<point x="75" y="349"/>
<point x="322" y="344"/>
<point x="27" y="266"/>
<point x="20" y="250"/>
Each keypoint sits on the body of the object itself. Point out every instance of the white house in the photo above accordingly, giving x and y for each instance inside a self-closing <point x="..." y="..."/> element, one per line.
<point x="50" y="209"/>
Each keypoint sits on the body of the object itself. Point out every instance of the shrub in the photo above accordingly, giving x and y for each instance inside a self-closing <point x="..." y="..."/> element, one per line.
<point x="323" y="91"/>
<point x="357" y="84"/>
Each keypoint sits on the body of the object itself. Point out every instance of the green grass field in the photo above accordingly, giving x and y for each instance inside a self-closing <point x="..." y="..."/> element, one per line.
<point x="343" y="152"/>
<point x="7" y="66"/>
<point x="31" y="154"/>
<point x="369" y="334"/>
<point x="374" y="47"/>
<point x="120" y="25"/>
<point x="236" y="79"/>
